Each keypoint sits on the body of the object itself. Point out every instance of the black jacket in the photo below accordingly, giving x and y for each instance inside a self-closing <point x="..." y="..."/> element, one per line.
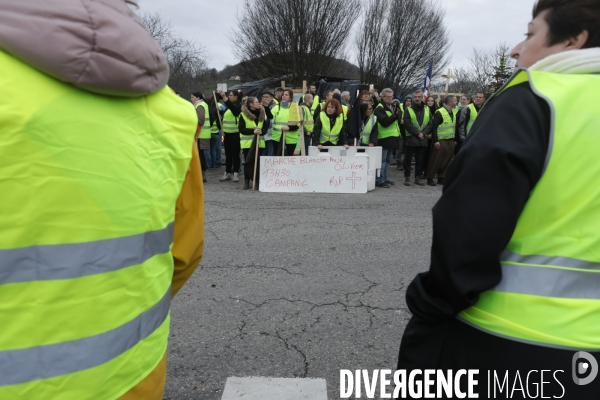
<point x="486" y="188"/>
<point x="412" y="132"/>
<point x="318" y="127"/>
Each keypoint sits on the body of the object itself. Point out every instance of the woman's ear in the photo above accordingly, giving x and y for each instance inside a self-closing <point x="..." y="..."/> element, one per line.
<point x="578" y="41"/>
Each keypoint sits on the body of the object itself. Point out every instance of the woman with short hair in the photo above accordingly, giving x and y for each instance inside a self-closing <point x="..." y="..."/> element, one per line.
<point x="512" y="284"/>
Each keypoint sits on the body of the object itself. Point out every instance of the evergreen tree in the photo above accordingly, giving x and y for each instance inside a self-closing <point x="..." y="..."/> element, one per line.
<point x="501" y="74"/>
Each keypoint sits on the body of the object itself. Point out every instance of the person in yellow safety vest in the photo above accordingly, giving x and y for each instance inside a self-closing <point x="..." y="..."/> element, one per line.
<point x="231" y="135"/>
<point x="389" y="131"/>
<point x="278" y="94"/>
<point x="102" y="214"/>
<point x="369" y="131"/>
<point x="417" y="125"/>
<point x="467" y="117"/>
<point x="283" y="132"/>
<point x="307" y="120"/>
<point x="215" y="133"/>
<point x="443" y="130"/>
<point x="330" y="127"/>
<point x="312" y="90"/>
<point x="203" y="130"/>
<point x="252" y="124"/>
<point x="513" y="285"/>
<point x="321" y="106"/>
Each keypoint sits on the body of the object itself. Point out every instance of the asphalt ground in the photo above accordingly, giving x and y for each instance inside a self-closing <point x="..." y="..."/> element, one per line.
<point x="297" y="285"/>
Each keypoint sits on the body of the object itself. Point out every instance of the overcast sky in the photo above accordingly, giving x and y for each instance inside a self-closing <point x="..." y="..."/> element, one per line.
<point x="472" y="23"/>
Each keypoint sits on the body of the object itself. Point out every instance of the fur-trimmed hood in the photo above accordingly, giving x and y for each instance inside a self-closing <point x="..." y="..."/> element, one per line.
<point x="251" y="115"/>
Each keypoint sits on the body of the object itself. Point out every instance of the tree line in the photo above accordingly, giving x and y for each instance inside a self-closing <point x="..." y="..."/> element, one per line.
<point x="393" y="40"/>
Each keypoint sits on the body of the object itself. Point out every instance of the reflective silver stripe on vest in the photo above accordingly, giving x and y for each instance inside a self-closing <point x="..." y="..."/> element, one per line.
<point x="74" y="260"/>
<point x="549" y="282"/>
<point x="43" y="362"/>
<point x="556" y="261"/>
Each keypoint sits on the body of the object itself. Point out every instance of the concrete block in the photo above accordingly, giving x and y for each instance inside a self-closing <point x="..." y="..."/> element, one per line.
<point x="275" y="389"/>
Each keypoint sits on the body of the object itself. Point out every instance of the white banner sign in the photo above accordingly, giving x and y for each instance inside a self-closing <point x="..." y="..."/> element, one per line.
<point x="318" y="174"/>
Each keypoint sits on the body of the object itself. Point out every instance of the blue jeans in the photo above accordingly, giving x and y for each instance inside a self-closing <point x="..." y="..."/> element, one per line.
<point x="215" y="150"/>
<point x="386" y="156"/>
<point x="269" y="150"/>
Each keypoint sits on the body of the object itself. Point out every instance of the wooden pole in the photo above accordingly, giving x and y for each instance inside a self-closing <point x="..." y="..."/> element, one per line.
<point x="303" y="87"/>
<point x="301" y="132"/>
<point x="283" y="142"/>
<point x="218" y="113"/>
<point x="255" y="161"/>
<point x="283" y="84"/>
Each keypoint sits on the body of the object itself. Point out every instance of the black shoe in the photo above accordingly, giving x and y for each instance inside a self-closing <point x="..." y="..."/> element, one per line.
<point x="247" y="184"/>
<point x="383" y="185"/>
<point x="390" y="182"/>
<point x="431" y="182"/>
<point x="440" y="181"/>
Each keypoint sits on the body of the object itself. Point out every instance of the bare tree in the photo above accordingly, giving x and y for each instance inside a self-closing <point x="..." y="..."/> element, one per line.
<point x="482" y="69"/>
<point x="187" y="59"/>
<point x="306" y="39"/>
<point x="398" y="39"/>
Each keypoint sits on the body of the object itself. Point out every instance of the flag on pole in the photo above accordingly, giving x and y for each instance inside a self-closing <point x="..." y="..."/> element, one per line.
<point x="427" y="80"/>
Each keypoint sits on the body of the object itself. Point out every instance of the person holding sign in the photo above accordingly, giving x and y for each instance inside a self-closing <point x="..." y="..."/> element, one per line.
<point x="281" y="119"/>
<point x="251" y="124"/>
<point x="330" y="126"/>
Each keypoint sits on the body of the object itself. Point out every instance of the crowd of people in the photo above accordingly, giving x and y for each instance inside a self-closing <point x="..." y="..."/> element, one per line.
<point x="419" y="131"/>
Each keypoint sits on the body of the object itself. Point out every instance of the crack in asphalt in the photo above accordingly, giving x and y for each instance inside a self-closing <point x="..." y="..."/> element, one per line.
<point x="253" y="266"/>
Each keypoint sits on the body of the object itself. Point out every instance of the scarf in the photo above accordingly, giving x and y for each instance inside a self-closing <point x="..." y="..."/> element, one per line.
<point x="582" y="61"/>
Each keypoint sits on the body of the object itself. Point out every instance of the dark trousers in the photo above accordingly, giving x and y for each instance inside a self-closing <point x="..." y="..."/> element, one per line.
<point x="231" y="142"/>
<point x="289" y="149"/>
<point x="440" y="158"/>
<point x="459" y="144"/>
<point x="418" y="152"/>
<point x="426" y="156"/>
<point x="307" y="141"/>
<point x="456" y="345"/>
<point x="250" y="174"/>
<point x="203" y="164"/>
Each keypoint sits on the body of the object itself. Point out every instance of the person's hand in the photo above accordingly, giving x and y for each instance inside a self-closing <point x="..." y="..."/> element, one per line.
<point x="421" y="135"/>
<point x="308" y="133"/>
<point x="319" y="147"/>
<point x="346" y="146"/>
<point x="371" y="144"/>
<point x="223" y="96"/>
<point x="429" y="136"/>
<point x="401" y="122"/>
<point x="285" y="128"/>
<point x="257" y="131"/>
<point x="455" y="143"/>
<point x="436" y="145"/>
